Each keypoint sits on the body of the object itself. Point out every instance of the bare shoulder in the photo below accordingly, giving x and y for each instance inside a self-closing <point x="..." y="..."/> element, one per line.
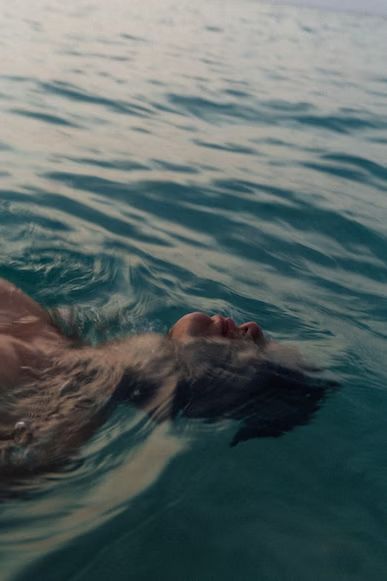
<point x="15" y="305"/>
<point x="9" y="362"/>
<point x="17" y="360"/>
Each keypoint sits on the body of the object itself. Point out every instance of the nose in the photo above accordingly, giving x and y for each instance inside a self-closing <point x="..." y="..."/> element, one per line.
<point x="225" y="326"/>
<point x="220" y="323"/>
<point x="251" y="329"/>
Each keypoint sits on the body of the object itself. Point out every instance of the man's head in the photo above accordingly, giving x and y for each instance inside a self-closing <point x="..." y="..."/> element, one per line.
<point x="199" y="325"/>
<point x="227" y="373"/>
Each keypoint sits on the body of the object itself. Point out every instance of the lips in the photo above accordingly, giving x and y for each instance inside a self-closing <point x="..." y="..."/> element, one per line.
<point x="224" y="326"/>
<point x="228" y="327"/>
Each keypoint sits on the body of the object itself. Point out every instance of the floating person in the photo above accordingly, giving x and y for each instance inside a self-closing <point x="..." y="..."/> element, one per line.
<point x="55" y="392"/>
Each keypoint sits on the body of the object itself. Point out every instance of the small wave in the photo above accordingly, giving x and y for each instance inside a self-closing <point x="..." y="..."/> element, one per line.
<point x="338" y="123"/>
<point x="369" y="166"/>
<point x="71" y="92"/>
<point x="44" y="117"/>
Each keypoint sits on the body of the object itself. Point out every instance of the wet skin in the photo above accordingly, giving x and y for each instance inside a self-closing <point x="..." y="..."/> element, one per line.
<point x="28" y="336"/>
<point x="199" y="324"/>
<point x="208" y="367"/>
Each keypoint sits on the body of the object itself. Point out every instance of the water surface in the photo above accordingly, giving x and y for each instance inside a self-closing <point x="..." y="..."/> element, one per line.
<point x="163" y="157"/>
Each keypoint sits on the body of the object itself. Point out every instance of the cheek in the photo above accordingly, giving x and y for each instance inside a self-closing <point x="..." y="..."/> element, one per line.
<point x="193" y="324"/>
<point x="198" y="324"/>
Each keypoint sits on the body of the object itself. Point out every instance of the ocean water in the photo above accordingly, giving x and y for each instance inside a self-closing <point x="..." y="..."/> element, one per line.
<point x="223" y="156"/>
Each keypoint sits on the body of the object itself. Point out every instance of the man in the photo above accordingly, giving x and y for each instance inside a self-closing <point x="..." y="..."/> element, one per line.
<point x="54" y="393"/>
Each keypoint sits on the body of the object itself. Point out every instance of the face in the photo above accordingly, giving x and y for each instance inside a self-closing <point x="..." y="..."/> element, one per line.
<point x="196" y="325"/>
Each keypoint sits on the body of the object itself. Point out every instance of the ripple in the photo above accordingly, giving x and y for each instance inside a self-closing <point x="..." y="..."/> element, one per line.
<point x="175" y="167"/>
<point x="71" y="92"/>
<point x="336" y="170"/>
<point x="287" y="106"/>
<point x="214" y="29"/>
<point x="339" y="123"/>
<point x="5" y="147"/>
<point x="370" y="167"/>
<point x="119" y="226"/>
<point x="115" y="164"/>
<point x="160" y="158"/>
<point x="211" y="110"/>
<point x="45" y="117"/>
<point x="132" y="37"/>
<point x="230" y="147"/>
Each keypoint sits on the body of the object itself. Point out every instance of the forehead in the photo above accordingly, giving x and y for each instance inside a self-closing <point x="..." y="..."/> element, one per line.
<point x="193" y="319"/>
<point x="195" y="316"/>
<point x="190" y="322"/>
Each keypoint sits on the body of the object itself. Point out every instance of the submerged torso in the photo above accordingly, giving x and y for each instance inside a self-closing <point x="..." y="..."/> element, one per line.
<point x="59" y="394"/>
<point x="54" y="394"/>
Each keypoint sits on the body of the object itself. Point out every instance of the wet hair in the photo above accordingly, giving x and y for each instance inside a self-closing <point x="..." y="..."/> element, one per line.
<point x="218" y="381"/>
<point x="268" y="403"/>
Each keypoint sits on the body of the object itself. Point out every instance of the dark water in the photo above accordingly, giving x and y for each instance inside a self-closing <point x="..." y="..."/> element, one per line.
<point x="162" y="157"/>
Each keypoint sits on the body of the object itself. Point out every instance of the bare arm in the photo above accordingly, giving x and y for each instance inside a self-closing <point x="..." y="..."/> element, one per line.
<point x="15" y="305"/>
<point x="26" y="335"/>
<point x="9" y="362"/>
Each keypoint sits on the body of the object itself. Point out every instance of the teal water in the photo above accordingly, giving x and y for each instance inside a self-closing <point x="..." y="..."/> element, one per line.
<point x="163" y="157"/>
